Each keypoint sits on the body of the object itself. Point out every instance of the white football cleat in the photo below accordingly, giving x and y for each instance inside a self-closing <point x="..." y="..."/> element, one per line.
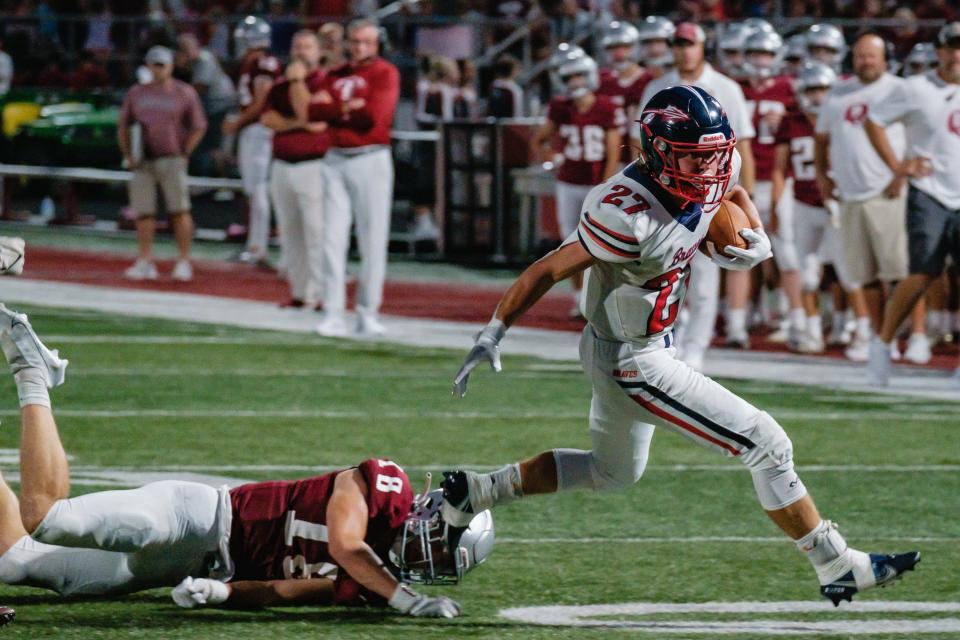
<point x="182" y="271"/>
<point x="918" y="349"/>
<point x="11" y="255"/>
<point x="23" y="348"/>
<point x="141" y="270"/>
<point x="859" y="349"/>
<point x="334" y="325"/>
<point x="368" y="325"/>
<point x="808" y="343"/>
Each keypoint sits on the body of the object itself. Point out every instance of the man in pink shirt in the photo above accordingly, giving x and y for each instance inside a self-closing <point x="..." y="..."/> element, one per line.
<point x="171" y="124"/>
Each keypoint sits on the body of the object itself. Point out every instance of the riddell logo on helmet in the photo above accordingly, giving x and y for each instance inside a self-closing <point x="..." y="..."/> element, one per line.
<point x="712" y="137"/>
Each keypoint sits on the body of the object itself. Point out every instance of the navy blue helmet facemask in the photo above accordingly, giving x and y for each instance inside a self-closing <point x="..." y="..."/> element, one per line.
<point x="687" y="144"/>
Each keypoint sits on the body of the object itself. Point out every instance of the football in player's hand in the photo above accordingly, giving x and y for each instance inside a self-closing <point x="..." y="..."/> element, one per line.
<point x="725" y="228"/>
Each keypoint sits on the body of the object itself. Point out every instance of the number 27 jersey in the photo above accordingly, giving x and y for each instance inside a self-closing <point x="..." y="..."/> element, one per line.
<point x="643" y="244"/>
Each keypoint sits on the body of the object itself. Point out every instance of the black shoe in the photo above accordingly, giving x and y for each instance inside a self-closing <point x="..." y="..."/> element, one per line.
<point x="6" y="616"/>
<point x="886" y="569"/>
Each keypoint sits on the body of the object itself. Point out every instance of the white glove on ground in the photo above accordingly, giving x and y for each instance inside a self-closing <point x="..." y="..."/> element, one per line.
<point x="758" y="250"/>
<point x="195" y="592"/>
<point x="406" y="600"/>
<point x="487" y="349"/>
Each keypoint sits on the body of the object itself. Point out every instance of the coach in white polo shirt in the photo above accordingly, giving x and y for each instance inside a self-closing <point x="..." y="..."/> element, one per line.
<point x="872" y="199"/>
<point x="929" y="106"/>
<point x="696" y="323"/>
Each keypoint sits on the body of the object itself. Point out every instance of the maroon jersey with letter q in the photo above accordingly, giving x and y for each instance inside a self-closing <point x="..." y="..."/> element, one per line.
<point x="583" y="136"/>
<point x="774" y="96"/>
<point x="263" y="66"/>
<point x="797" y="132"/>
<point x="625" y="96"/>
<point x="279" y="529"/>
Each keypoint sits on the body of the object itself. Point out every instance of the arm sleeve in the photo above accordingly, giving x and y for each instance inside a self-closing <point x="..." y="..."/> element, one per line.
<point x="607" y="233"/>
<point x="894" y="107"/>
<point x="324" y="111"/>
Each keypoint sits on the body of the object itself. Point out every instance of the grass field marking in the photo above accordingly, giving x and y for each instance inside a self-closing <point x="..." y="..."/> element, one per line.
<point x="451" y="415"/>
<point x="702" y="539"/>
<point x="600" y="616"/>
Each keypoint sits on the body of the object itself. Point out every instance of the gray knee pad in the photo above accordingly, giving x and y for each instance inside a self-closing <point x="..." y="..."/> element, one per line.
<point x="771" y="465"/>
<point x="579" y="469"/>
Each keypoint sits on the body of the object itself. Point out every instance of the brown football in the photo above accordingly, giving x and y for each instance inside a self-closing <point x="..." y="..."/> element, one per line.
<point x="725" y="227"/>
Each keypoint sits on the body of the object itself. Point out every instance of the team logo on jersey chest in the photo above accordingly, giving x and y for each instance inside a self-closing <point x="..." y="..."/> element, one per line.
<point x="953" y="123"/>
<point x="856" y="113"/>
<point x="683" y="256"/>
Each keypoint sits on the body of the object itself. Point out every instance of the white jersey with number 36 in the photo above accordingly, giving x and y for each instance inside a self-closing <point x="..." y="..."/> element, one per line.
<point x="643" y="244"/>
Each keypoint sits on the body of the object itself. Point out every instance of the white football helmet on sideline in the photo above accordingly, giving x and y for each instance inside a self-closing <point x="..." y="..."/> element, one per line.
<point x="620" y="34"/>
<point x="431" y="551"/>
<point x="251" y="33"/>
<point x="565" y="76"/>
<point x="655" y="34"/>
<point x="763" y="54"/>
<point x="826" y="44"/>
<point x="813" y="75"/>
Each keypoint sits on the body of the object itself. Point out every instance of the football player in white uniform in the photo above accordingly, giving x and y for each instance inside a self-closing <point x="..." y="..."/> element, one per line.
<point x="638" y="232"/>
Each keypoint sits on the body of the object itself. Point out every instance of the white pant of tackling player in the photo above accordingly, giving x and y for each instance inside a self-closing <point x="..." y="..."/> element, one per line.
<point x="297" y="191"/>
<point x="253" y="158"/>
<point x="359" y="188"/>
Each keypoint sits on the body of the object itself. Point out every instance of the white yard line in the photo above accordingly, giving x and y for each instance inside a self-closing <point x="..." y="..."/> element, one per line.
<point x="550" y="345"/>
<point x="906" y="414"/>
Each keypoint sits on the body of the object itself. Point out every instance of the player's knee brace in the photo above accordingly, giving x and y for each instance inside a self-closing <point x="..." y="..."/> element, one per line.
<point x="771" y="465"/>
<point x="579" y="469"/>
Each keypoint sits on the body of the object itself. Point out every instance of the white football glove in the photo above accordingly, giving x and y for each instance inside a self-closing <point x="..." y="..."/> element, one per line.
<point x="408" y="601"/>
<point x="196" y="592"/>
<point x="486" y="348"/>
<point x="758" y="250"/>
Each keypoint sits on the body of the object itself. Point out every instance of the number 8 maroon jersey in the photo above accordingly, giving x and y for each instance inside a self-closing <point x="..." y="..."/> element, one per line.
<point x="279" y="529"/>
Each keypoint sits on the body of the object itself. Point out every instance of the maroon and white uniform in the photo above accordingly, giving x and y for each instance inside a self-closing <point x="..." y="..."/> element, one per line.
<point x="773" y="96"/>
<point x="359" y="184"/>
<point x="297" y="189"/>
<point x="115" y="542"/>
<point x="279" y="529"/>
<point x="627" y="97"/>
<point x="583" y="137"/>
<point x="815" y="231"/>
<point x="253" y="150"/>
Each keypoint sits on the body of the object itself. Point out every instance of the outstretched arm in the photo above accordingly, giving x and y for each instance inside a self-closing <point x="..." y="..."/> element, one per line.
<point x="538" y="278"/>
<point x="532" y="284"/>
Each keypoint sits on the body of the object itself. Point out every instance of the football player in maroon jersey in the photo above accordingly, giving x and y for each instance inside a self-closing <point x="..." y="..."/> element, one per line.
<point x="625" y="80"/>
<point x="342" y="538"/>
<point x="588" y="126"/>
<point x="769" y="95"/>
<point x="258" y="71"/>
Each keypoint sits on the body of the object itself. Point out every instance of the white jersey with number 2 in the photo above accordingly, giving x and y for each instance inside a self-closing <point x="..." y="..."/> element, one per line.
<point x="643" y="244"/>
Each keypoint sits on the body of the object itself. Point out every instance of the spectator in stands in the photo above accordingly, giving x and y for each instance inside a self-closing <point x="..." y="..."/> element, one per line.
<point x="89" y="74"/>
<point x="100" y="23"/>
<point x="296" y="175"/>
<point x="358" y="177"/>
<point x="506" y="95"/>
<point x="6" y="70"/>
<point x="217" y="95"/>
<point x="331" y="45"/>
<point x="927" y="104"/>
<point x="465" y="104"/>
<point x="283" y="25"/>
<point x="871" y="197"/>
<point x="168" y="115"/>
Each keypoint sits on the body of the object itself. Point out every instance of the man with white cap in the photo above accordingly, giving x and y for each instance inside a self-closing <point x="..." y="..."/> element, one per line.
<point x="696" y="326"/>
<point x="171" y="123"/>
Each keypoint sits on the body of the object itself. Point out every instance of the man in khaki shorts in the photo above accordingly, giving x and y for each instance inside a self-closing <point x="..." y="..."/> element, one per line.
<point x="171" y="124"/>
<point x="872" y="198"/>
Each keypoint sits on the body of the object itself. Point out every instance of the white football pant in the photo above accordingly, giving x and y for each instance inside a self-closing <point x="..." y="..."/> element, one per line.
<point x="253" y="160"/>
<point x="358" y="188"/>
<point x="297" y="191"/>
<point x="695" y="325"/>
<point x="115" y="542"/>
<point x="569" y="203"/>
<point x="818" y="242"/>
